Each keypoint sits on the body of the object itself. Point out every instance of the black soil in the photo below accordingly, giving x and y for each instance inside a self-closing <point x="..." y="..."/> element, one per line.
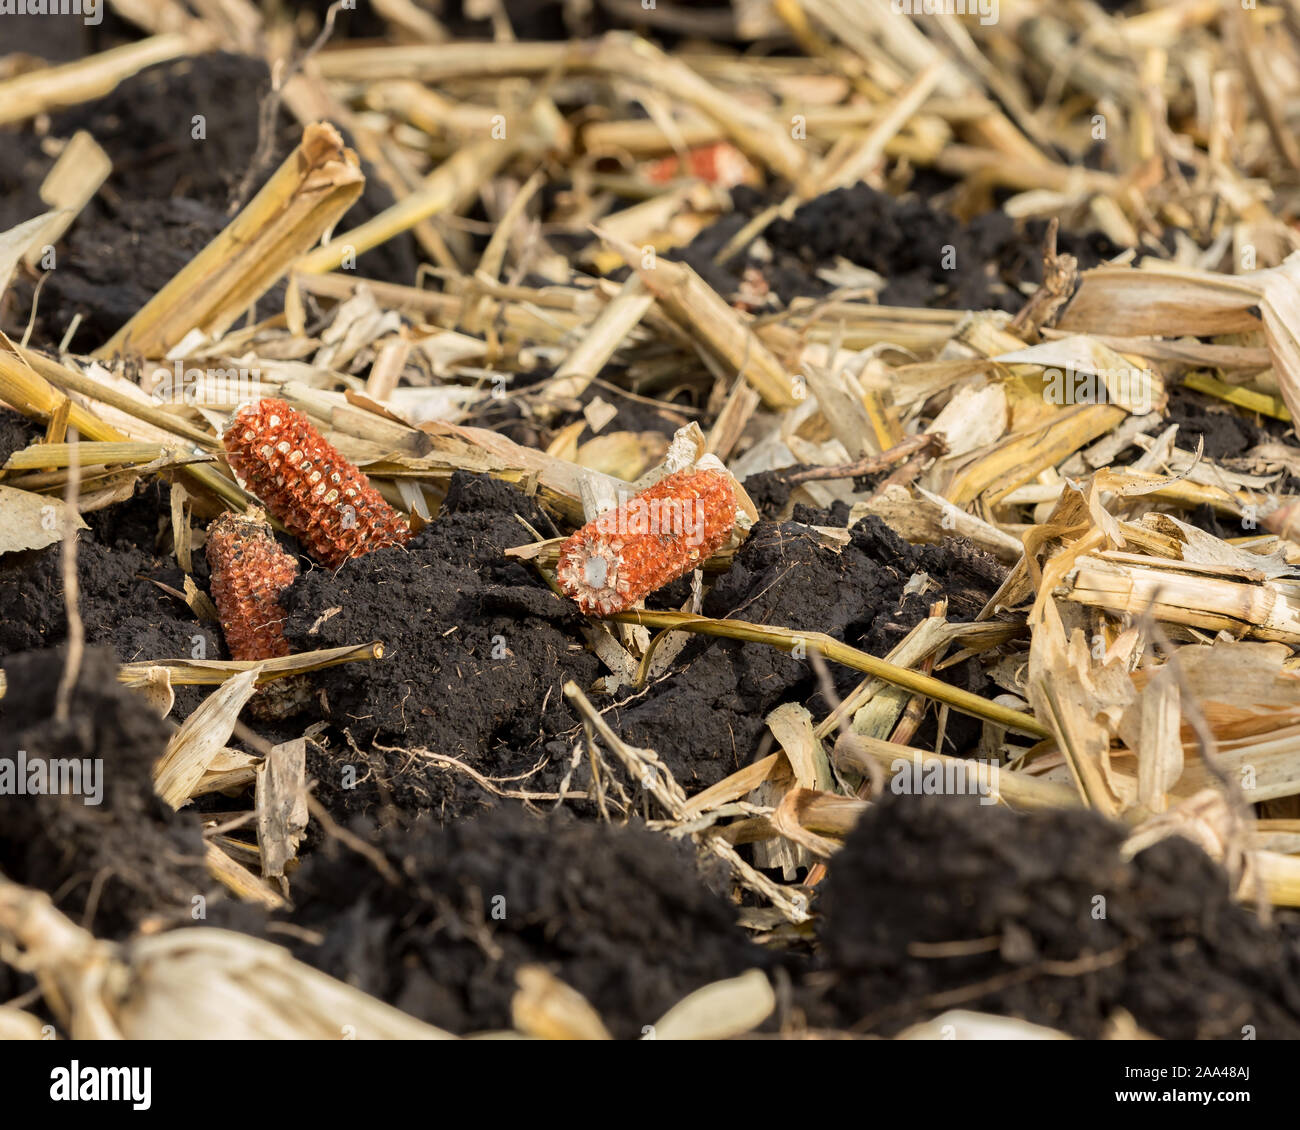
<point x="706" y="719"/>
<point x="927" y="256"/>
<point x="1057" y="928"/>
<point x="477" y="650"/>
<point x="158" y="236"/>
<point x="109" y="865"/>
<point x="619" y="913"/>
<point x="1228" y="433"/>
<point x="16" y="432"/>
<point x="126" y="549"/>
<point x="770" y="491"/>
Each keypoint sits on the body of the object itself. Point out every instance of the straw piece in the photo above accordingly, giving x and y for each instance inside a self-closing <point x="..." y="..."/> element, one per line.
<point x="699" y="310"/>
<point x="73" y="179"/>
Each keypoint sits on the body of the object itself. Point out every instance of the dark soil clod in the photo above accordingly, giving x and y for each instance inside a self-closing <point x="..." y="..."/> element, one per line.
<point x="1057" y="928"/>
<point x="620" y="914"/>
<point x="109" y="864"/>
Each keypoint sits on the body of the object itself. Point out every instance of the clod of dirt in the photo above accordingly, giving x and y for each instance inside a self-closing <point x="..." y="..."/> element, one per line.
<point x="109" y="864"/>
<point x="927" y="257"/>
<point x="770" y="491"/>
<point x="117" y="560"/>
<point x="1228" y="433"/>
<point x="1038" y="916"/>
<point x="619" y="913"/>
<point x="706" y="719"/>
<point x="477" y="648"/>
<point x="158" y="152"/>
<point x="158" y="237"/>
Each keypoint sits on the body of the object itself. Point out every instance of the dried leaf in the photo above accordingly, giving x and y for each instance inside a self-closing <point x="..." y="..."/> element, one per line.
<point x="202" y="736"/>
<point x="33" y="521"/>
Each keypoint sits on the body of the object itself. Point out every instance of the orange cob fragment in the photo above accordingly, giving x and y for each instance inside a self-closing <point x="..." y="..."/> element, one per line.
<point x="322" y="499"/>
<point x="719" y="163"/>
<point x="249" y="572"/>
<point x="652" y="539"/>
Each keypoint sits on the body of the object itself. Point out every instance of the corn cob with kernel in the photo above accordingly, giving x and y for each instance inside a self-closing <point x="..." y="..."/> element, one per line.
<point x="249" y="572"/>
<point x="652" y="539"/>
<point x="322" y="499"/>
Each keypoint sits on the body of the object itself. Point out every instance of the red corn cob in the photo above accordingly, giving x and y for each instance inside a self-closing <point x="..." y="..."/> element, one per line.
<point x="322" y="499"/>
<point x="661" y="534"/>
<point x="249" y="572"/>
